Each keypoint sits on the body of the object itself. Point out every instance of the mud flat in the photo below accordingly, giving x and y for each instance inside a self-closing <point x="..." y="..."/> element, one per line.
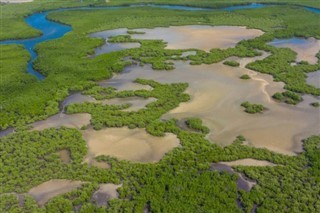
<point x="216" y="95"/>
<point x="73" y="121"/>
<point x="128" y="144"/>
<point x="47" y="190"/>
<point x="306" y="49"/>
<point x="104" y="193"/>
<point x="199" y="36"/>
<point x="248" y="162"/>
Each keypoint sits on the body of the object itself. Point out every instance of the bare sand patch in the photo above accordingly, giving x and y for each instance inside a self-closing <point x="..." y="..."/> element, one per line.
<point x="104" y="193"/>
<point x="64" y="155"/>
<point x="129" y="144"/>
<point x="47" y="190"/>
<point x="248" y="162"/>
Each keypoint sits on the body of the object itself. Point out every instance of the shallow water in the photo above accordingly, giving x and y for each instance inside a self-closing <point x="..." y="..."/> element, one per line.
<point x="306" y="49"/>
<point x="243" y="183"/>
<point x="199" y="36"/>
<point x="314" y="78"/>
<point x="104" y="193"/>
<point x="72" y="121"/>
<point x="128" y="144"/>
<point x="216" y="94"/>
<point x="136" y="103"/>
<point x="47" y="190"/>
<point x="111" y="47"/>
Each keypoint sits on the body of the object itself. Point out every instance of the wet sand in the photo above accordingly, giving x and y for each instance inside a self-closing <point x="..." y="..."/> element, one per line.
<point x="47" y="190"/>
<point x="216" y="95"/>
<point x="72" y="121"/>
<point x="306" y="49"/>
<point x="199" y="36"/>
<point x="248" y="162"/>
<point x="104" y="193"/>
<point x="128" y="144"/>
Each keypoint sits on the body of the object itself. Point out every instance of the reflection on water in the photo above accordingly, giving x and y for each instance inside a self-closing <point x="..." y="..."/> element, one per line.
<point x="128" y="144"/>
<point x="306" y="49"/>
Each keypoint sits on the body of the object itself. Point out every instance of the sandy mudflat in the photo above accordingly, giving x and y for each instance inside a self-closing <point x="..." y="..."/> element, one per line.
<point x="47" y="190"/>
<point x="128" y="144"/>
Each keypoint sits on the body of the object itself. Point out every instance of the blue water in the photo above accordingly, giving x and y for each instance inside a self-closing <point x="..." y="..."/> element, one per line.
<point x="53" y="30"/>
<point x="294" y="40"/>
<point x="311" y="9"/>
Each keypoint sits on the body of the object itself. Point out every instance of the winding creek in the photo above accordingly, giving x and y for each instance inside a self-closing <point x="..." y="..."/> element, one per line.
<point x="53" y="30"/>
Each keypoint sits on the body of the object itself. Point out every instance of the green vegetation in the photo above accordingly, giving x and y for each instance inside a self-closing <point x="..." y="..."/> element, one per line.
<point x="135" y="32"/>
<point x="232" y="63"/>
<point x="252" y="108"/>
<point x="183" y="180"/>
<point x="196" y="124"/>
<point x="315" y="104"/>
<point x="288" y="97"/>
<point x="245" y="77"/>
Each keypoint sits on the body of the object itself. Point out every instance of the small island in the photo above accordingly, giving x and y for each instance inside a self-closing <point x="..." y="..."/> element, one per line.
<point x="253" y="108"/>
<point x="232" y="63"/>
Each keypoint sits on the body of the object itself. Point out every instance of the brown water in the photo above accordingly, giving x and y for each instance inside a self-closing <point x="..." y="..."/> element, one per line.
<point x="47" y="190"/>
<point x="73" y="121"/>
<point x="199" y="36"/>
<point x="216" y="95"/>
<point x="128" y="144"/>
<point x="104" y="193"/>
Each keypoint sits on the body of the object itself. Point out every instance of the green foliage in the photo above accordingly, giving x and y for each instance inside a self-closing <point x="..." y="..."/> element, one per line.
<point x="135" y="32"/>
<point x="232" y="63"/>
<point x="288" y="97"/>
<point x="245" y="77"/>
<point x="196" y="124"/>
<point x="252" y="108"/>
<point x="315" y="104"/>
